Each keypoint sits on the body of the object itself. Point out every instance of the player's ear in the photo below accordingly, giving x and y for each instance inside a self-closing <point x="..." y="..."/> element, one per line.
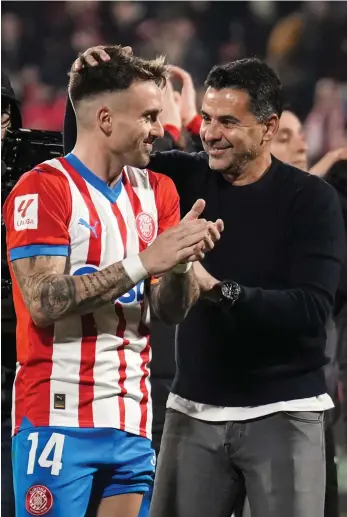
<point x="104" y="118"/>
<point x="271" y="128"/>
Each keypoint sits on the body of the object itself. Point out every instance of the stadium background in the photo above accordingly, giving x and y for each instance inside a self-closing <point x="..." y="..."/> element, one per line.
<point x="306" y="42"/>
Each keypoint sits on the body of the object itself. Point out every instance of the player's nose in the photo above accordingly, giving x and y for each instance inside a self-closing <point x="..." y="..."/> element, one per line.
<point x="157" y="129"/>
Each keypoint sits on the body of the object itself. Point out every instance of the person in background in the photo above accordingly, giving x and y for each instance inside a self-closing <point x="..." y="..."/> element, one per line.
<point x="10" y="112"/>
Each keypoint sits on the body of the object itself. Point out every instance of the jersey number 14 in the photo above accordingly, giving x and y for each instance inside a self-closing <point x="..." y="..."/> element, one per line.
<point x="54" y="445"/>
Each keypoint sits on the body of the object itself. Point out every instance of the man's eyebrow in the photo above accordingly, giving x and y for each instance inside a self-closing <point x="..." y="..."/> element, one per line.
<point x="151" y="112"/>
<point x="223" y="118"/>
<point x="285" y="130"/>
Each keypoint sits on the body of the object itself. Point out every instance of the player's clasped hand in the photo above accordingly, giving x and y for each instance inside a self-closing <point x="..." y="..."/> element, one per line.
<point x="188" y="241"/>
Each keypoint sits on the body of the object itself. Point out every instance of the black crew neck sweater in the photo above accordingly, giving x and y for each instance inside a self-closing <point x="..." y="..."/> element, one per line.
<point x="284" y="244"/>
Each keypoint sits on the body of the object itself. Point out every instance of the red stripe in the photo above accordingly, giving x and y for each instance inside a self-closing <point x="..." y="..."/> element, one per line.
<point x="136" y="206"/>
<point x="94" y="250"/>
<point x="121" y="328"/>
<point x="36" y="374"/>
<point x="122" y="364"/>
<point x="142" y="329"/>
<point x="89" y="330"/>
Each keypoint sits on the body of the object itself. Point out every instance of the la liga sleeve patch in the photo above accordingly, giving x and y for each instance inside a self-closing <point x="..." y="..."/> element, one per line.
<point x="26" y="212"/>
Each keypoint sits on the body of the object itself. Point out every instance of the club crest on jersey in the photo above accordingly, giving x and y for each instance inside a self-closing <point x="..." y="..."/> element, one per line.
<point x="145" y="227"/>
<point x="26" y="212"/>
<point x="38" y="500"/>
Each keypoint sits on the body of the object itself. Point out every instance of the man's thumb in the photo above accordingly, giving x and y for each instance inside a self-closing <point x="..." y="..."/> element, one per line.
<point x="196" y="210"/>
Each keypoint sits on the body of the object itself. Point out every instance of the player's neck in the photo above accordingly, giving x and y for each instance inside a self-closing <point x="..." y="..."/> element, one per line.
<point x="104" y="165"/>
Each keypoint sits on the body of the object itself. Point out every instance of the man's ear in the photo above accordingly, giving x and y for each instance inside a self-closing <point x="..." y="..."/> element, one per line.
<point x="104" y="118"/>
<point x="271" y="128"/>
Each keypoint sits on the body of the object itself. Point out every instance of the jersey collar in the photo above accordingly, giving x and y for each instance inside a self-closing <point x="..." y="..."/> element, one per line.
<point x="111" y="194"/>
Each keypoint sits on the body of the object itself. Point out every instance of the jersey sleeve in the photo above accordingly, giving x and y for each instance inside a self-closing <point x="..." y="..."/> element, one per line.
<point x="167" y="201"/>
<point x="37" y="213"/>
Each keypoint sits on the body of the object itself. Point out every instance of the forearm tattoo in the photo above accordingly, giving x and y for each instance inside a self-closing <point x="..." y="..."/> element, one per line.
<point x="53" y="296"/>
<point x="174" y="295"/>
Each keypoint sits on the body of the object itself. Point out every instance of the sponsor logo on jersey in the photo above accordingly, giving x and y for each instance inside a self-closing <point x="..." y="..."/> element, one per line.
<point x="90" y="227"/>
<point x="38" y="500"/>
<point x="26" y="212"/>
<point x="145" y="227"/>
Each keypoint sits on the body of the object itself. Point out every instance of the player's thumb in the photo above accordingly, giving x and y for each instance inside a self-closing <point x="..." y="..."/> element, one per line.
<point x="196" y="210"/>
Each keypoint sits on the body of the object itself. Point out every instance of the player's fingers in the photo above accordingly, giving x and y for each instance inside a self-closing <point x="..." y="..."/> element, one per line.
<point x="219" y="225"/>
<point x="190" y="227"/>
<point x="192" y="240"/>
<point x="196" y="210"/>
<point x="191" y="254"/>
<point x="208" y="243"/>
<point x="213" y="232"/>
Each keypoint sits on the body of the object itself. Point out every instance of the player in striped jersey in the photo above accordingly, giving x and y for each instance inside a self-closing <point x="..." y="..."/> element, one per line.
<point x="86" y="234"/>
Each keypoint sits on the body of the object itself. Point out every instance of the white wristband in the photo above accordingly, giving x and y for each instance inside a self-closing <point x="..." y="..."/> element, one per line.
<point x="182" y="269"/>
<point x="135" y="269"/>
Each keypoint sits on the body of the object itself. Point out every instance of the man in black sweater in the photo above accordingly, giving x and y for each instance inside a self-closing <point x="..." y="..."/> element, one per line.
<point x="249" y="394"/>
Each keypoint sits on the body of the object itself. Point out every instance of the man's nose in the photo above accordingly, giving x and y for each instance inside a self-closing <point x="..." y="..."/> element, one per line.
<point x="157" y="129"/>
<point x="212" y="132"/>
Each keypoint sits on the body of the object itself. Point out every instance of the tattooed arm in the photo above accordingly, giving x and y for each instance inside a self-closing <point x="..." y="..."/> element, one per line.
<point x="50" y="295"/>
<point x="173" y="296"/>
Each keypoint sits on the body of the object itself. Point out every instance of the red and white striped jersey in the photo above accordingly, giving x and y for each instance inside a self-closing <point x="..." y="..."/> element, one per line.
<point x="91" y="370"/>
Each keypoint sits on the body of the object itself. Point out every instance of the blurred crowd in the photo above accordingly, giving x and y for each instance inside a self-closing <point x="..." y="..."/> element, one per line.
<point x="306" y="42"/>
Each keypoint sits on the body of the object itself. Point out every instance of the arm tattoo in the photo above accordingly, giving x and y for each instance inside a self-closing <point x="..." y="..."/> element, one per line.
<point x="51" y="295"/>
<point x="174" y="295"/>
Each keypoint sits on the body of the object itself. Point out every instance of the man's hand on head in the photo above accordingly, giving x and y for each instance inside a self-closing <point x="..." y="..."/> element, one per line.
<point x="88" y="57"/>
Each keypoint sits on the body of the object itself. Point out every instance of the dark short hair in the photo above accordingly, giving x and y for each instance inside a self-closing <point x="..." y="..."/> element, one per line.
<point x="115" y="75"/>
<point x="254" y="77"/>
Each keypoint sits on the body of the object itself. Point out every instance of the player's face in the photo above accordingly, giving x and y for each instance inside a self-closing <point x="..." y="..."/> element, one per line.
<point x="135" y="123"/>
<point x="230" y="133"/>
<point x="289" y="144"/>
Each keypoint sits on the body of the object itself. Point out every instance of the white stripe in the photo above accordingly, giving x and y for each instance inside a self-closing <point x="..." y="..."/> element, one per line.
<point x="66" y="358"/>
<point x="132" y="312"/>
<point x="105" y="403"/>
<point x="65" y="375"/>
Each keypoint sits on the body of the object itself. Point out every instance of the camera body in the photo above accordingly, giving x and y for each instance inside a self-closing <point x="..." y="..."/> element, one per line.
<point x="22" y="150"/>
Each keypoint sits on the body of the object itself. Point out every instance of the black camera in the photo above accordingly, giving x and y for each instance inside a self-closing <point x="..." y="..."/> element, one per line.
<point x="22" y="150"/>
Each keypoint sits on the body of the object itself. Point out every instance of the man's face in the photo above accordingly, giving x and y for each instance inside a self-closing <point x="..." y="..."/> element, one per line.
<point x="135" y="123"/>
<point x="230" y="133"/>
<point x="289" y="144"/>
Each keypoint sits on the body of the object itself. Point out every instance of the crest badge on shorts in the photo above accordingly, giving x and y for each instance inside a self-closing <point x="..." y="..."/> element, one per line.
<point x="145" y="226"/>
<point x="38" y="500"/>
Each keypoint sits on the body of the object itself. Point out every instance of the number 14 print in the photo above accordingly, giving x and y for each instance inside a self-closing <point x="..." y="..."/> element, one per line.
<point x="54" y="445"/>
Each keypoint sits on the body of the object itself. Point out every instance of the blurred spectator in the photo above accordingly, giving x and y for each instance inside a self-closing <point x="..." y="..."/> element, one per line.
<point x="47" y="36"/>
<point x="325" y="125"/>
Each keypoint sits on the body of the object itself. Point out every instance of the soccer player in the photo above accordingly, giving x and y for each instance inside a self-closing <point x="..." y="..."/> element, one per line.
<point x="82" y="241"/>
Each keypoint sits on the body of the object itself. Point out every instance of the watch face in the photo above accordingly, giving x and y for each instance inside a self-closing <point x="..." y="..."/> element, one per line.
<point x="231" y="291"/>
